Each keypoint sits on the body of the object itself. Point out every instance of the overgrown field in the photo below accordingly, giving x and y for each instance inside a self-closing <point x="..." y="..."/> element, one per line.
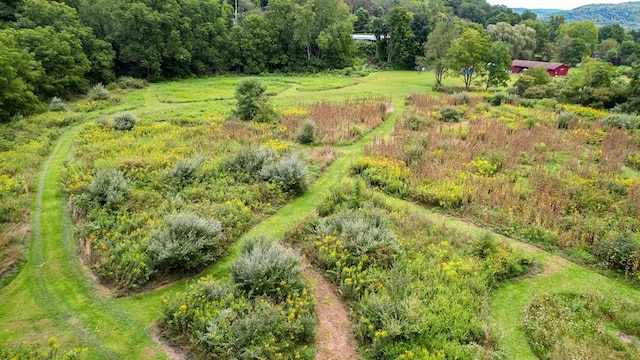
<point x="177" y="205"/>
<point x="555" y="175"/>
<point x="418" y="290"/>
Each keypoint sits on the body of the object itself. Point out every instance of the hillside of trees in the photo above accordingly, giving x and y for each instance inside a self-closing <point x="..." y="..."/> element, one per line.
<point x="56" y="49"/>
<point x="626" y="15"/>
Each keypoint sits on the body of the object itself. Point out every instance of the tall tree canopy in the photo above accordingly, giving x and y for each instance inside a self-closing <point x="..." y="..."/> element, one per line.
<point x="437" y="47"/>
<point x="467" y="54"/>
<point x="64" y="19"/>
<point x="18" y="71"/>
<point x="497" y="61"/>
<point x="577" y="40"/>
<point x="520" y="39"/>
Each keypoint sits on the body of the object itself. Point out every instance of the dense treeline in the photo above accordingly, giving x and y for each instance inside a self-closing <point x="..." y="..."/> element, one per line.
<point x="58" y="49"/>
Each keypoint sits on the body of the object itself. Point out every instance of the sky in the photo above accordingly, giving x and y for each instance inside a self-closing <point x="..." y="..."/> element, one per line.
<point x="552" y="4"/>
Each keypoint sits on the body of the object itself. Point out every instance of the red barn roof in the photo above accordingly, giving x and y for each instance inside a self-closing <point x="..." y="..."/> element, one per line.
<point x="542" y="64"/>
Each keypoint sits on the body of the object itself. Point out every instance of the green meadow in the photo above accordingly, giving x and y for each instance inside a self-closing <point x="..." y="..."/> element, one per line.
<point x="457" y="200"/>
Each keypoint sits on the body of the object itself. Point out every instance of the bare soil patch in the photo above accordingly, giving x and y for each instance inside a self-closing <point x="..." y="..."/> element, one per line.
<point x="172" y="352"/>
<point x="334" y="331"/>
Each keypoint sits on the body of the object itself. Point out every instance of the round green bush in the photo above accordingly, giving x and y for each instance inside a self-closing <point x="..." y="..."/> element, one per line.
<point x="57" y="104"/>
<point x="267" y="268"/>
<point x="248" y="161"/>
<point x="98" y="92"/>
<point x="188" y="242"/>
<point x="450" y="114"/>
<point x="124" y="121"/>
<point x="289" y="172"/>
<point x="620" y="253"/>
<point x="498" y="99"/>
<point x="109" y="188"/>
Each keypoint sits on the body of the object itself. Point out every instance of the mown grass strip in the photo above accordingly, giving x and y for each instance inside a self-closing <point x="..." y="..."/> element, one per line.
<point x="52" y="296"/>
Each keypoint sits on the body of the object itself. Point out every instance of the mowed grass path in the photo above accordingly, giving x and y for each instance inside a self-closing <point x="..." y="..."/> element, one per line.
<point x="53" y="295"/>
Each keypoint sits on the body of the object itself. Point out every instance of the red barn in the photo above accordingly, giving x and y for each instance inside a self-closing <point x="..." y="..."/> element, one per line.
<point x="554" y="69"/>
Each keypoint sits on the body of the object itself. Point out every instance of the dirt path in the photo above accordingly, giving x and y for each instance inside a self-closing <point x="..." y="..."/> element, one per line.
<point x="172" y="353"/>
<point x="334" y="331"/>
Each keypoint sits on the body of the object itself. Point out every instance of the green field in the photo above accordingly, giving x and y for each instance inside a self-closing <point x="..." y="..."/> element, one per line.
<point x="55" y="295"/>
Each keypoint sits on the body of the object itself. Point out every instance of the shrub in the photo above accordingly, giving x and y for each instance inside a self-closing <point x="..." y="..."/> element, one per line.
<point x="98" y="92"/>
<point x="128" y="82"/>
<point x="124" y="121"/>
<point x="622" y="121"/>
<point x="461" y="98"/>
<point x="450" y="114"/>
<point x="248" y="161"/>
<point x="350" y="194"/>
<point x="250" y="95"/>
<point x="498" y="99"/>
<point x="448" y="194"/>
<point x="413" y="153"/>
<point x="219" y="321"/>
<point x="564" y="119"/>
<point x="620" y="253"/>
<point x="289" y="172"/>
<point x="57" y="104"/>
<point x="185" y="169"/>
<point x="266" y="268"/>
<point x="307" y="132"/>
<point x="188" y="243"/>
<point x="366" y="231"/>
<point x="389" y="174"/>
<point x="545" y="91"/>
<point x="500" y="260"/>
<point x="415" y="123"/>
<point x="109" y="188"/>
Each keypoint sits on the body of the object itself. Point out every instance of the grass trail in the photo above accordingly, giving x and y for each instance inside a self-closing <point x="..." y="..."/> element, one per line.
<point x="52" y="296"/>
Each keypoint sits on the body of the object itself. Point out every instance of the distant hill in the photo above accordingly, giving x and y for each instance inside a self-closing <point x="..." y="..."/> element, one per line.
<point x="543" y="14"/>
<point x="625" y="14"/>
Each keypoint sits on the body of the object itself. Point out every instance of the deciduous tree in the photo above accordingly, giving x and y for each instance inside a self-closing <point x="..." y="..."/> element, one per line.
<point x="400" y="44"/>
<point x="467" y="54"/>
<point x="520" y="39"/>
<point x="18" y="71"/>
<point x="498" y="61"/>
<point x="437" y="46"/>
